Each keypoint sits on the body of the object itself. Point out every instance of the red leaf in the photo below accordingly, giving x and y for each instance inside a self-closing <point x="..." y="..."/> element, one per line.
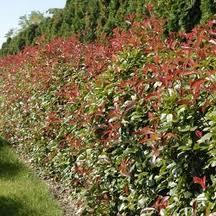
<point x="124" y="167"/>
<point x="149" y="7"/>
<point x="185" y="102"/>
<point x="200" y="181"/>
<point x="161" y="203"/>
<point x="199" y="133"/>
<point x="147" y="134"/>
<point x="196" y="86"/>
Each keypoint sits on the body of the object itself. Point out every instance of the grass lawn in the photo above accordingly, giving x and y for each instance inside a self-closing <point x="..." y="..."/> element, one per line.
<point x="21" y="192"/>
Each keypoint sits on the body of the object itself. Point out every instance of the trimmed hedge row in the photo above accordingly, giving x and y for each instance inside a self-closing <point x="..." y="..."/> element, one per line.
<point x="130" y="124"/>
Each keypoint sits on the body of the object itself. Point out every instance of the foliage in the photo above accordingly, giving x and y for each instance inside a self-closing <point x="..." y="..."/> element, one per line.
<point x="129" y="124"/>
<point x="34" y="18"/>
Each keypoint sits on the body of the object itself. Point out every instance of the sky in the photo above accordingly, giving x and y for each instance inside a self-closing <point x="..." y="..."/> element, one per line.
<point x="11" y="10"/>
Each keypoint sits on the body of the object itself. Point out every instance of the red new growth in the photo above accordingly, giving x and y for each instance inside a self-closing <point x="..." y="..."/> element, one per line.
<point x="149" y="7"/>
<point x="161" y="203"/>
<point x="196" y="86"/>
<point x="199" y="133"/>
<point x="200" y="181"/>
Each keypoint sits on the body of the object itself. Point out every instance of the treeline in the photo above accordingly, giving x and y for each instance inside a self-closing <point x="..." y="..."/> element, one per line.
<point x="92" y="18"/>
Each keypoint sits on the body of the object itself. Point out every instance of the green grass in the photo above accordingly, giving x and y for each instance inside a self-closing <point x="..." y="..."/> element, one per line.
<point x="21" y="192"/>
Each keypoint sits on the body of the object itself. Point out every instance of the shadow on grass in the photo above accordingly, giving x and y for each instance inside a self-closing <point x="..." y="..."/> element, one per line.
<point x="8" y="167"/>
<point x="9" y="207"/>
<point x="13" y="207"/>
<point x="9" y="170"/>
<point x="3" y="143"/>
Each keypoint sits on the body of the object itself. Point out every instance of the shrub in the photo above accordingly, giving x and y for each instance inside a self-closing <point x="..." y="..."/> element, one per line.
<point x="129" y="124"/>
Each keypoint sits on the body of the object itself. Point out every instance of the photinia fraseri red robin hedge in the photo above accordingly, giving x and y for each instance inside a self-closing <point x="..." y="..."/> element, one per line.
<point x="128" y="124"/>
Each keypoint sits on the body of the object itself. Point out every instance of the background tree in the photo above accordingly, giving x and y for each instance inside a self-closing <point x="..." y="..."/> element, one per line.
<point x="89" y="19"/>
<point x="34" y="18"/>
<point x="10" y="33"/>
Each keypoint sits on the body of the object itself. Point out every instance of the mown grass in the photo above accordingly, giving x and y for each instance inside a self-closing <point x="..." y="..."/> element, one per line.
<point x="21" y="192"/>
